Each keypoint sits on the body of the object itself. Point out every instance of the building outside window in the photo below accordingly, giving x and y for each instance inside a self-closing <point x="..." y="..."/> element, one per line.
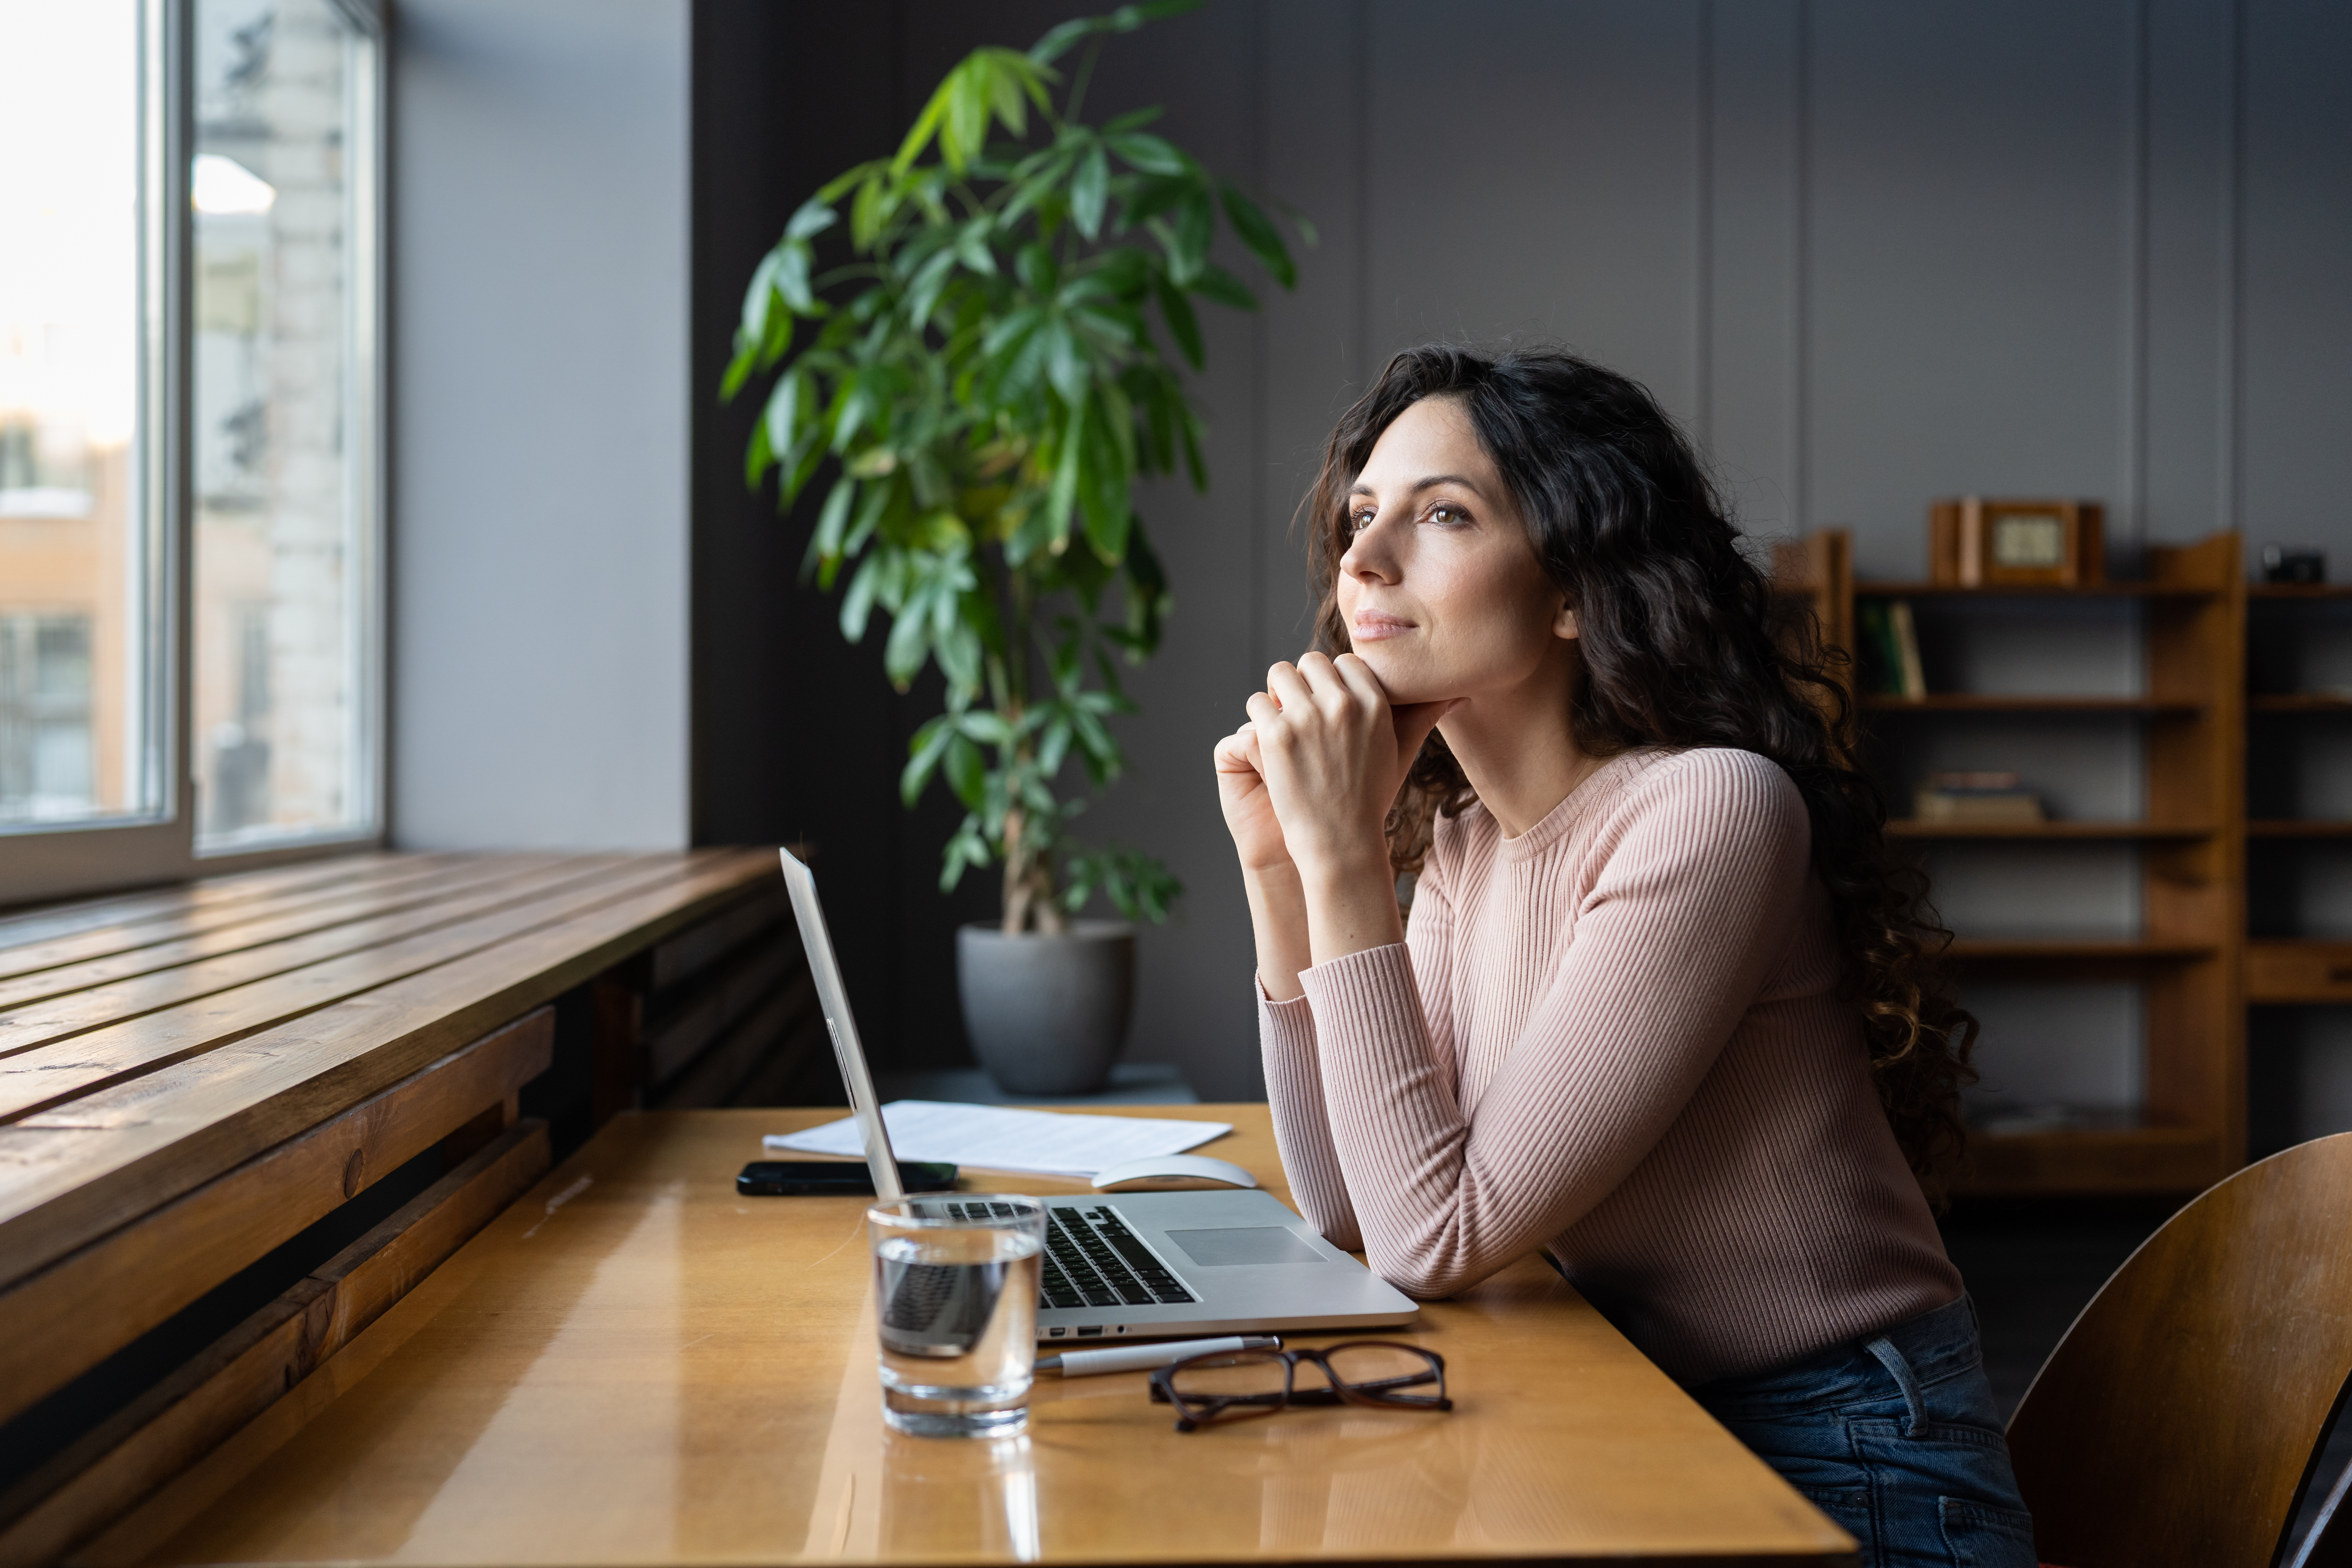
<point x="189" y="452"/>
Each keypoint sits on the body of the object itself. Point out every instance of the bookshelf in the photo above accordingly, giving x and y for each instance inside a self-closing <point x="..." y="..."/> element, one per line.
<point x="2168" y="837"/>
<point x="2299" y="674"/>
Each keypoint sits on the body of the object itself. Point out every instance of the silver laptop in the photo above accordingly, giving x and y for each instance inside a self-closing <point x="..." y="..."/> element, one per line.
<point x="1134" y="1265"/>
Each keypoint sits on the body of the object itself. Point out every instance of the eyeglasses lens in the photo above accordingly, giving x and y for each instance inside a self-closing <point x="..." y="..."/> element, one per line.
<point x="1248" y="1378"/>
<point x="1382" y="1370"/>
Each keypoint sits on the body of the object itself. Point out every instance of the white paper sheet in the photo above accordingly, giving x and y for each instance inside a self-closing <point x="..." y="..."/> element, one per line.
<point x="997" y="1138"/>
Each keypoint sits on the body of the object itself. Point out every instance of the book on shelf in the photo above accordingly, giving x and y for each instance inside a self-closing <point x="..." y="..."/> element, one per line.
<point x="1890" y="637"/>
<point x="1975" y="797"/>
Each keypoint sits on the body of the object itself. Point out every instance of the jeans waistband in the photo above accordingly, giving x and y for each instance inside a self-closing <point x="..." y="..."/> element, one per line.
<point x="1936" y="1345"/>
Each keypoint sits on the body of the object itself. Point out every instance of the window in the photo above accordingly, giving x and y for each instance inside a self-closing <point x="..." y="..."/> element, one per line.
<point x="189" y="434"/>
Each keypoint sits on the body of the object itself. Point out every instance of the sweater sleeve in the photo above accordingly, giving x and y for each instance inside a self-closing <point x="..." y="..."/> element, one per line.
<point x="1302" y="1127"/>
<point x="1707" y="860"/>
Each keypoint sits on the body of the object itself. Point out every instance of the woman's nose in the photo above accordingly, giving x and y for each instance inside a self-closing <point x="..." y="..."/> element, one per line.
<point x="1373" y="553"/>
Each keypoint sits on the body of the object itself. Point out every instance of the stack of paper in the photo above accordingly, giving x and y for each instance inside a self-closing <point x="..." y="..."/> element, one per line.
<point x="993" y="1137"/>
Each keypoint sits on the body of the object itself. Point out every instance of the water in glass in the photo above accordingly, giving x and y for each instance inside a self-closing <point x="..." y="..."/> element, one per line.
<point x="955" y="1287"/>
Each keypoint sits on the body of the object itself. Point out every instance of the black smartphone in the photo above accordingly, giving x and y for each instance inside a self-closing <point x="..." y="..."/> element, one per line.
<point x="835" y="1178"/>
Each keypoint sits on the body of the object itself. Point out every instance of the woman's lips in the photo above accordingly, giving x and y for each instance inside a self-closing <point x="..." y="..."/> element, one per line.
<point x="1372" y="627"/>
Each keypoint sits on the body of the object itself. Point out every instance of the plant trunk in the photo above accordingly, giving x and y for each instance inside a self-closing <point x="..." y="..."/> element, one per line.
<point x="1028" y="882"/>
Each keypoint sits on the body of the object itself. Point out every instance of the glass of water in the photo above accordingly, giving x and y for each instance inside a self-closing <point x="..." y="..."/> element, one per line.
<point x="955" y="1287"/>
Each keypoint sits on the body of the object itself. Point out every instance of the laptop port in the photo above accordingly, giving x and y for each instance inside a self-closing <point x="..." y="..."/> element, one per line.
<point x="1055" y="1333"/>
<point x="1089" y="1333"/>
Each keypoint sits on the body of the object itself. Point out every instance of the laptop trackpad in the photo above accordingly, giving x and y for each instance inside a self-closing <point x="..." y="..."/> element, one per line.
<point x="1251" y="1244"/>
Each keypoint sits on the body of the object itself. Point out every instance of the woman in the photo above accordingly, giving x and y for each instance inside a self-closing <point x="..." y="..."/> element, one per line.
<point x="1666" y="1007"/>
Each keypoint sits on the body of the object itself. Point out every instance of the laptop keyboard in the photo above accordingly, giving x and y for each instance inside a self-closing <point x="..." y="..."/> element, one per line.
<point x="1092" y="1259"/>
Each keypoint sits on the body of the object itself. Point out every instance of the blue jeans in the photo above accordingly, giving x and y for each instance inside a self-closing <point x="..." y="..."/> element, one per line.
<point x="1895" y="1438"/>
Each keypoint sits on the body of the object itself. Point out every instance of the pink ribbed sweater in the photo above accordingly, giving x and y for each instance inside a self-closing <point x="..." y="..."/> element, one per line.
<point x="1616" y="1036"/>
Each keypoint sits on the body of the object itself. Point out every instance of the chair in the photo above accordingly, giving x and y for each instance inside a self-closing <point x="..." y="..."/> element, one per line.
<point x="2179" y="1421"/>
<point x="2329" y="1544"/>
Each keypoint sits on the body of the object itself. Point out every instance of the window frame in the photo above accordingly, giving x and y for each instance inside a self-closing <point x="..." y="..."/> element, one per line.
<point x="52" y="862"/>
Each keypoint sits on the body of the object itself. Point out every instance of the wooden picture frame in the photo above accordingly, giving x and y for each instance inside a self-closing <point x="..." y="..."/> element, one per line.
<point x="1974" y="543"/>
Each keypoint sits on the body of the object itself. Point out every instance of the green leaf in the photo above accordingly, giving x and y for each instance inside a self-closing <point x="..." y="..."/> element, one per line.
<point x="924" y="750"/>
<point x="1090" y="190"/>
<point x="834" y="520"/>
<point x="1038" y="273"/>
<point x="967" y="771"/>
<point x="1195" y="223"/>
<point x="759" y="297"/>
<point x="972" y="246"/>
<point x="1058" y="39"/>
<point x="1066" y="364"/>
<point x="761" y="457"/>
<point x="1133" y="120"/>
<point x="780" y="421"/>
<point x="971" y="93"/>
<point x="909" y="643"/>
<point x="986" y="726"/>
<point x="1217" y="284"/>
<point x="1183" y="325"/>
<point x="1258" y="233"/>
<point x="738" y="371"/>
<point x="1063" y="497"/>
<point x="791" y="276"/>
<point x="925" y="294"/>
<point x="1155" y="196"/>
<point x="814" y="218"/>
<point x="1148" y="601"/>
<point x="857" y="603"/>
<point x="1152" y="154"/>
<point x="925" y="126"/>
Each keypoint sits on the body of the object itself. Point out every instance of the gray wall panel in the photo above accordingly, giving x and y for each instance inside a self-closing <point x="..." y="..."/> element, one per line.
<point x="1533" y="173"/>
<point x="2295" y="253"/>
<point x="1965" y="248"/>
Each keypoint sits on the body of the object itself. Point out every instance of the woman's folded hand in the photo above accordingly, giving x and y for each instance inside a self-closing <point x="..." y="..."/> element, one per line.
<point x="1332" y="754"/>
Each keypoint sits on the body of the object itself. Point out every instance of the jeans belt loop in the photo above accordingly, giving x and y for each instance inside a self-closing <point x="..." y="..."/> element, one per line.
<point x="1900" y="1370"/>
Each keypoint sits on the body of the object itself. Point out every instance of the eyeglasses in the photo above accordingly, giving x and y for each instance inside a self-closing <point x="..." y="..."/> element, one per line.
<point x="1236" y="1385"/>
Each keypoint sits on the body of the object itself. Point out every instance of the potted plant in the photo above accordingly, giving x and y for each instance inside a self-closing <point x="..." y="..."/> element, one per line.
<point x="974" y="372"/>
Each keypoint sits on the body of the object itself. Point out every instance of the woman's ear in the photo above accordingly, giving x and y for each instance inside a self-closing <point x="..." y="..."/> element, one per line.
<point x="1563" y="625"/>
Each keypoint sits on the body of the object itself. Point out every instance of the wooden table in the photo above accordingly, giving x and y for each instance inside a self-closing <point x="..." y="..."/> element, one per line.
<point x="633" y="1364"/>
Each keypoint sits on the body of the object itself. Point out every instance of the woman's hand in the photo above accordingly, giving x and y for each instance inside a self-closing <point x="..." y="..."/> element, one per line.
<point x="1333" y="753"/>
<point x="1249" y="810"/>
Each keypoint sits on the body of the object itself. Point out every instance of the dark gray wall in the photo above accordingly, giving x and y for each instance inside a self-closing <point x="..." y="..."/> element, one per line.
<point x="1871" y="253"/>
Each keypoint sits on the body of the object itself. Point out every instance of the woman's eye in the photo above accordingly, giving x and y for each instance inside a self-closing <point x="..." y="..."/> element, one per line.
<point x="1446" y="514"/>
<point x="1362" y="519"/>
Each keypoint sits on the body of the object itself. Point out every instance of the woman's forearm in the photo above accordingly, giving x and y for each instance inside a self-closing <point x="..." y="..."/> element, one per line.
<point x="1278" y="906"/>
<point x="1351" y="905"/>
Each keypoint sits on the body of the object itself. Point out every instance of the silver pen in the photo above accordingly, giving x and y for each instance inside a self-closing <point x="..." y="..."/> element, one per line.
<point x="1134" y="1358"/>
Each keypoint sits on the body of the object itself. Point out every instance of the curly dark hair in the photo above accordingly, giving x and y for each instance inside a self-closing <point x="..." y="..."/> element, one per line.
<point x="1684" y="644"/>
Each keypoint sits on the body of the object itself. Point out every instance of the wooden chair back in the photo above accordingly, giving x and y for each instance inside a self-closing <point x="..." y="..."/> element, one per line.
<point x="2178" y="1420"/>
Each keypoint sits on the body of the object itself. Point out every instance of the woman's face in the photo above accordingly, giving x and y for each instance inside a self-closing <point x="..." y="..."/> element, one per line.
<point x="1440" y="587"/>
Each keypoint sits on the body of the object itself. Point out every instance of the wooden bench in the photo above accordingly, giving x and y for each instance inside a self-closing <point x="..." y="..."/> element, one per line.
<point x="194" y="1079"/>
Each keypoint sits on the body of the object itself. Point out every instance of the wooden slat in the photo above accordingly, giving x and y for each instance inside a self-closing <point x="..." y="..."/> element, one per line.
<point x="695" y="950"/>
<point x="123" y="938"/>
<point x="741" y="1050"/>
<point x="118" y="1464"/>
<point x="53" y="1075"/>
<point x="70" y="1175"/>
<point x="677" y="1037"/>
<point x="358" y="906"/>
<point x="75" y="1313"/>
<point x="55" y="1018"/>
<point x="49" y="921"/>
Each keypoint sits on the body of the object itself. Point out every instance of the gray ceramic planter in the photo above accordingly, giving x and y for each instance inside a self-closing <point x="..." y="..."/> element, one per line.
<point x="1047" y="1014"/>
